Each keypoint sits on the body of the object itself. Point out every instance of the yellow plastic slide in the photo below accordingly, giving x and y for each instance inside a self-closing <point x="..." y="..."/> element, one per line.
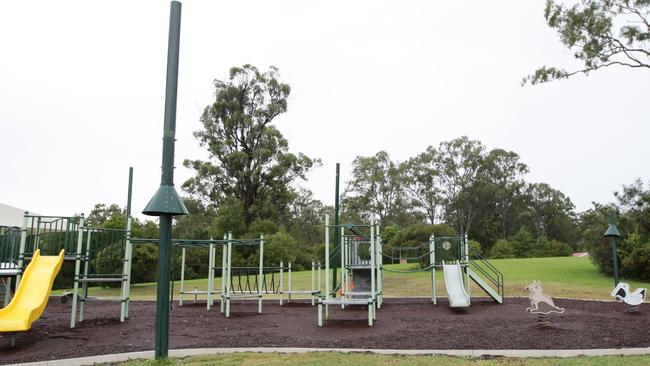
<point x="33" y="292"/>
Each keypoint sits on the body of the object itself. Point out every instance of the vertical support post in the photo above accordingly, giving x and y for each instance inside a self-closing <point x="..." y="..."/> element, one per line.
<point x="162" y="291"/>
<point x="224" y="284"/>
<point x="319" y="286"/>
<point x="466" y="242"/>
<point x="126" y="269"/>
<point x="373" y="273"/>
<point x="77" y="269"/>
<point x="260" y="282"/>
<point x="129" y="194"/>
<point x="181" y="289"/>
<point x="344" y="263"/>
<point x="432" y="263"/>
<point x="129" y="261"/>
<point x="211" y="292"/>
<point x="320" y="311"/>
<point x="8" y="292"/>
<point x="210" y="275"/>
<point x="380" y="294"/>
<point x="289" y="283"/>
<point x="228" y="274"/>
<point x="614" y="260"/>
<point x="312" y="283"/>
<point x="281" y="275"/>
<point x="84" y="284"/>
<point x="336" y="225"/>
<point x="327" y="261"/>
<point x="21" y="250"/>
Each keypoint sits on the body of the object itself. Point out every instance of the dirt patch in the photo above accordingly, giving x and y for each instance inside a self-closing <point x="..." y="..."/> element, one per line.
<point x="401" y="324"/>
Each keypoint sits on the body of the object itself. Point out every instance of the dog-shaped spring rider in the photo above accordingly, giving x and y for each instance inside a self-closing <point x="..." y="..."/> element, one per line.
<point x="537" y="298"/>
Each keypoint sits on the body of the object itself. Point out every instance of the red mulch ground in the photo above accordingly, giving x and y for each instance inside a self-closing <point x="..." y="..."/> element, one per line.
<point x="401" y="324"/>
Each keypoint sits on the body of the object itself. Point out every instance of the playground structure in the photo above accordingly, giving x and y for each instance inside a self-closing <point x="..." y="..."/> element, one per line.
<point x="313" y="292"/>
<point x="359" y="269"/>
<point x="105" y="255"/>
<point x="100" y="255"/>
<point x="236" y="282"/>
<point x="362" y="256"/>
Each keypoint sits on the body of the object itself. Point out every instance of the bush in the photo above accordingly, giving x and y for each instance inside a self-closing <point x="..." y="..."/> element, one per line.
<point x="522" y="243"/>
<point x="502" y="249"/>
<point x="258" y="227"/>
<point x="549" y="248"/>
<point x="475" y="247"/>
<point x="280" y="247"/>
<point x="637" y="264"/>
<point x="416" y="234"/>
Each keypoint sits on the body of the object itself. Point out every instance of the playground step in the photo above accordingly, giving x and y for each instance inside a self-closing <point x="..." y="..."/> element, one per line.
<point x="487" y="288"/>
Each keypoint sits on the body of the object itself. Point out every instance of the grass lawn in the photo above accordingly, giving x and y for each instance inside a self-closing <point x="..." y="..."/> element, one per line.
<point x="561" y="277"/>
<point x="317" y="359"/>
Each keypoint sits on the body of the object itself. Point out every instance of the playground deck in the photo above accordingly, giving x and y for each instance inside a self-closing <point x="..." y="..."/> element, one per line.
<point x="403" y="324"/>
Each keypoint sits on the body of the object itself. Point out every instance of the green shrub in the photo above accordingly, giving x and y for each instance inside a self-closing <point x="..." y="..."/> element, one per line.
<point x="522" y="243"/>
<point x="502" y="249"/>
<point x="475" y="247"/>
<point x="280" y="247"/>
<point x="258" y="227"/>
<point x="637" y="264"/>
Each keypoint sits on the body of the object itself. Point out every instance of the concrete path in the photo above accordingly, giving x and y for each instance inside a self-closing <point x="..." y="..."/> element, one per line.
<point x="120" y="357"/>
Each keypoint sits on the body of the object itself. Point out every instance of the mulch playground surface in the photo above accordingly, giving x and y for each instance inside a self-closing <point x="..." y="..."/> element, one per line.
<point x="400" y="324"/>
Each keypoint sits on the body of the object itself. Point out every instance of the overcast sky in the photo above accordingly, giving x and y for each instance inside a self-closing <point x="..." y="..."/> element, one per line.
<point x="82" y="92"/>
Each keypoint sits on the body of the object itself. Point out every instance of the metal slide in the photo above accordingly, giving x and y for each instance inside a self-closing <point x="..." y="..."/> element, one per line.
<point x="458" y="296"/>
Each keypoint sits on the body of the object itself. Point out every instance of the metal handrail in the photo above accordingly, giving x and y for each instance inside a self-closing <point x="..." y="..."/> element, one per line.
<point x="496" y="277"/>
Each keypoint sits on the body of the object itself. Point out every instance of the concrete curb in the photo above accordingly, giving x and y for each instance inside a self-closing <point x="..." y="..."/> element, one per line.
<point x="121" y="357"/>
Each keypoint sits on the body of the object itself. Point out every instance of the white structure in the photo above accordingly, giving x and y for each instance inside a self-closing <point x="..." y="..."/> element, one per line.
<point x="11" y="216"/>
<point x="622" y="293"/>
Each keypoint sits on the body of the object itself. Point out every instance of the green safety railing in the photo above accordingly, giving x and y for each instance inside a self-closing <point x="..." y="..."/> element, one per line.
<point x="487" y="271"/>
<point x="9" y="246"/>
<point x="103" y="253"/>
<point x="50" y="234"/>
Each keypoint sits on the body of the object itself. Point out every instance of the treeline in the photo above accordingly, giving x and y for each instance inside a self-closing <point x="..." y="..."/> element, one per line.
<point x="479" y="192"/>
<point x="250" y="185"/>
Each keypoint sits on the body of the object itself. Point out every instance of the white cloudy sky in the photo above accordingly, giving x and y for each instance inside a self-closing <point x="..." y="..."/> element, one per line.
<point x="82" y="92"/>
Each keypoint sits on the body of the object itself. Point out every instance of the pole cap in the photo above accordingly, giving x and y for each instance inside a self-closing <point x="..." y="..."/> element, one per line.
<point x="165" y="201"/>
<point x="612" y="230"/>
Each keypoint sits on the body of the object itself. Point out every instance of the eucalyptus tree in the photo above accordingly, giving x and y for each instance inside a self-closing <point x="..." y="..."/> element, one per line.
<point x="376" y="187"/>
<point x="504" y="173"/>
<point x="599" y="33"/>
<point x="550" y="212"/>
<point x="249" y="159"/>
<point x="422" y="181"/>
<point x="459" y="165"/>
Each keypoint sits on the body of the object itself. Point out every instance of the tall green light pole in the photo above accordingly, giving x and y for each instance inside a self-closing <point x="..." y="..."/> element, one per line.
<point x="613" y="233"/>
<point x="166" y="203"/>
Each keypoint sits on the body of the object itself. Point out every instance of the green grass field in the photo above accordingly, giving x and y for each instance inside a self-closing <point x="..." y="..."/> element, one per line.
<point x="363" y="359"/>
<point x="561" y="277"/>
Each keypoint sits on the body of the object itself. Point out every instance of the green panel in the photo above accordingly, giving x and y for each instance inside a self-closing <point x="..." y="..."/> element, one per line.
<point x="448" y="250"/>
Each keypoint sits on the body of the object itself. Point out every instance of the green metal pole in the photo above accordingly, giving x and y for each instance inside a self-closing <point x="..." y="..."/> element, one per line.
<point x="336" y="227"/>
<point x="166" y="203"/>
<point x="128" y="200"/>
<point x="613" y="233"/>
<point x="615" y="260"/>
